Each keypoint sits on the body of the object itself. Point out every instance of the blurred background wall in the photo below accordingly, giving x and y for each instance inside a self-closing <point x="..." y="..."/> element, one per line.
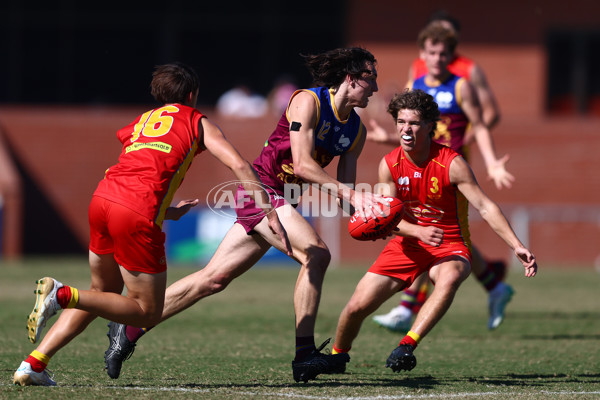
<point x="73" y="73"/>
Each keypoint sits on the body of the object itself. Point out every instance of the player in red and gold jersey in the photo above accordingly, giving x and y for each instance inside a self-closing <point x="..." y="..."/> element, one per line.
<point x="459" y="107"/>
<point x="434" y="183"/>
<point x="127" y="245"/>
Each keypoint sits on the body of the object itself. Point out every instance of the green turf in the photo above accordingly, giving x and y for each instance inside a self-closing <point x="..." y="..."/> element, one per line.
<point x="239" y="343"/>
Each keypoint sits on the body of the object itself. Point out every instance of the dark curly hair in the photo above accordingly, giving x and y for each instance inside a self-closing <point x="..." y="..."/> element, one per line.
<point x="329" y="69"/>
<point x="416" y="100"/>
<point x="172" y="83"/>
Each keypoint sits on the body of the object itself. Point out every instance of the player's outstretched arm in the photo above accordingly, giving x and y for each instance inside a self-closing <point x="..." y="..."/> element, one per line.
<point x="174" y="213"/>
<point x="490" y="112"/>
<point x="496" y="167"/>
<point x="462" y="176"/>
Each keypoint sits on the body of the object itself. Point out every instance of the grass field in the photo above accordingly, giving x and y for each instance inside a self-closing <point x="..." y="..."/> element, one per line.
<point x="239" y="343"/>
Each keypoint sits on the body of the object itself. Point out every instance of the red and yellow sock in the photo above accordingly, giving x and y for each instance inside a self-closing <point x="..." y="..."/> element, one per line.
<point x="67" y="297"/>
<point x="411" y="339"/>
<point x="38" y="361"/>
<point x="336" y="350"/>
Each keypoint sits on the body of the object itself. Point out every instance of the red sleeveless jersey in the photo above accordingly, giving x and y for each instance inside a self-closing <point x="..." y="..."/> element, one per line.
<point x="461" y="66"/>
<point x="428" y="196"/>
<point x="158" y="149"/>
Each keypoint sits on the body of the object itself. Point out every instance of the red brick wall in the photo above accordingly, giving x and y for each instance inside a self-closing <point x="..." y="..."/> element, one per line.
<point x="67" y="149"/>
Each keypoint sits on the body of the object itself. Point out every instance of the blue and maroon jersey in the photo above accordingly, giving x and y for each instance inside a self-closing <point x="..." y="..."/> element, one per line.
<point x="333" y="137"/>
<point x="453" y="123"/>
<point x="158" y="149"/>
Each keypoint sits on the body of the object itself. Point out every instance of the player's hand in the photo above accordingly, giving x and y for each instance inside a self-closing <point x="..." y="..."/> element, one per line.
<point x="528" y="260"/>
<point x="369" y="205"/>
<point x="377" y="134"/>
<point x="498" y="173"/>
<point x="430" y="235"/>
<point x="394" y="232"/>
<point x="279" y="230"/>
<point x="174" y="213"/>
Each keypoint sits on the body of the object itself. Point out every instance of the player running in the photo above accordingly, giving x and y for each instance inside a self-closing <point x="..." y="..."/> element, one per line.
<point x="461" y="113"/>
<point x="127" y="210"/>
<point x="434" y="182"/>
<point x="318" y="125"/>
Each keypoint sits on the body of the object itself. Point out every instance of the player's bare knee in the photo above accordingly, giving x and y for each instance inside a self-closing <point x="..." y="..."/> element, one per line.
<point x="462" y="273"/>
<point x="154" y="319"/>
<point x="152" y="315"/>
<point x="318" y="258"/>
<point x="452" y="279"/>
<point x="356" y="309"/>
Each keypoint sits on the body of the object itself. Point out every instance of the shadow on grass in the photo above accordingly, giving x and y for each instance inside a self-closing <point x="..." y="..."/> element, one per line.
<point x="422" y="382"/>
<point x="532" y="380"/>
<point x="576" y="336"/>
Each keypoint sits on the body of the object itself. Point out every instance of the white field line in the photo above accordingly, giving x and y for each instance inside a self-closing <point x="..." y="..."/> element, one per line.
<point x="311" y="397"/>
<point x="380" y="397"/>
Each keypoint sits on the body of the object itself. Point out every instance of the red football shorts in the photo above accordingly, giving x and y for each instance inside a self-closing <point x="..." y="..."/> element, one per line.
<point x="137" y="243"/>
<point x="407" y="260"/>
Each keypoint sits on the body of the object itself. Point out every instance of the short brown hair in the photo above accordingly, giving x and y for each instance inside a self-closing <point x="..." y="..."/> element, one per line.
<point x="172" y="83"/>
<point x="438" y="33"/>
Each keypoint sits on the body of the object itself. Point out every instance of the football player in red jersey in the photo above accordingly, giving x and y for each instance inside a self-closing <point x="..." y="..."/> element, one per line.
<point x="459" y="107"/>
<point x="127" y="245"/>
<point x="440" y="182"/>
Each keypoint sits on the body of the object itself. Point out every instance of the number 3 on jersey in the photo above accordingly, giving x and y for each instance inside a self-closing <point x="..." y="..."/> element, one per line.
<point x="434" y="185"/>
<point x="153" y="123"/>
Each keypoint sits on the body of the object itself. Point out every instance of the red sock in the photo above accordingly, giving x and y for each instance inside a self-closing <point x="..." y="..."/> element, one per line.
<point x="36" y="364"/>
<point x="339" y="351"/>
<point x="408" y="340"/>
<point x="63" y="296"/>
